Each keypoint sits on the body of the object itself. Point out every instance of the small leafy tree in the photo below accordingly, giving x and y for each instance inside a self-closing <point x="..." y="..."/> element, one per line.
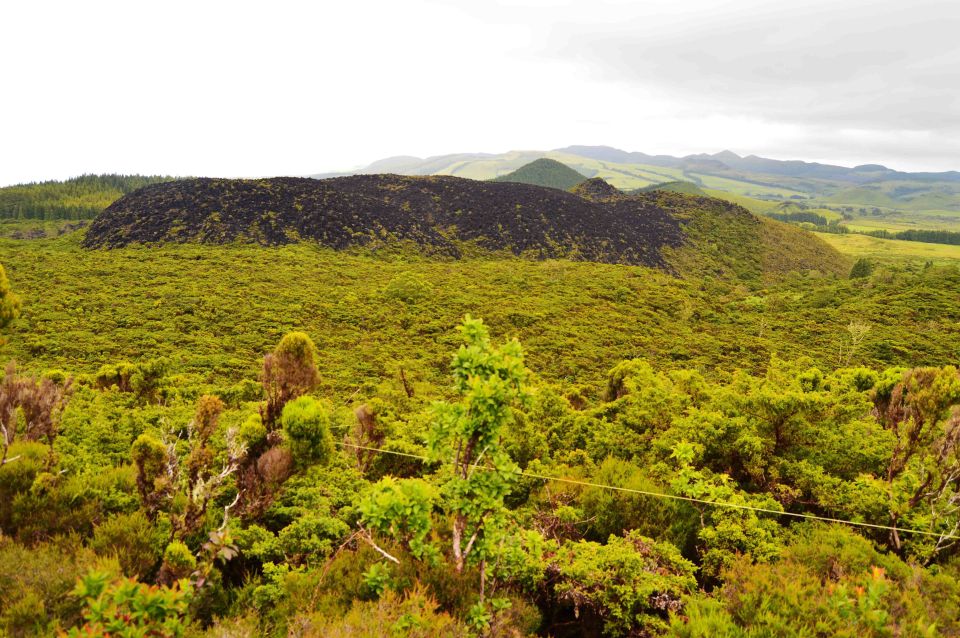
<point x="863" y="268"/>
<point x="288" y="372"/>
<point x="477" y="473"/>
<point x="468" y="434"/>
<point x="403" y="510"/>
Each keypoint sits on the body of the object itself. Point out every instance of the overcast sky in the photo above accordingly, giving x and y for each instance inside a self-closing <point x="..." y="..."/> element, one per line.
<point x="286" y="88"/>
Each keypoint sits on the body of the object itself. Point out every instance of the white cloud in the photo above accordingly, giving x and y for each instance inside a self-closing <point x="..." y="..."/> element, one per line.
<point x="243" y="88"/>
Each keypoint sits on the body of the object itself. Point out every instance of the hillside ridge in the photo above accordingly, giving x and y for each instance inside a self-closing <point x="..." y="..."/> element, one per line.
<point x="450" y="217"/>
<point x="436" y="213"/>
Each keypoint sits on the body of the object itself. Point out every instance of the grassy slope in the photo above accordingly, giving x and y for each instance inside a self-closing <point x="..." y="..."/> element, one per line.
<point x="729" y="242"/>
<point x="755" y="206"/>
<point x="802" y="254"/>
<point x="890" y="249"/>
<point x="688" y="188"/>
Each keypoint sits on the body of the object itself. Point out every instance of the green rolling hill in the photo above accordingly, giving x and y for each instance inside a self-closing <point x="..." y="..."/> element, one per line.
<point x="544" y="172"/>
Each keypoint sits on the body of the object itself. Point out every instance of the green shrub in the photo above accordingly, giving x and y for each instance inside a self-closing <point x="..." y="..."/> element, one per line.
<point x="115" y="375"/>
<point x="241" y="392"/>
<point x="862" y="268"/>
<point x="312" y="538"/>
<point x="252" y="432"/>
<point x="412" y="615"/>
<point x="306" y="423"/>
<point x="299" y="347"/>
<point x="59" y="503"/>
<point x="132" y="539"/>
<point x="25" y="460"/>
<point x="178" y="560"/>
<point x="148" y="380"/>
<point x="829" y="582"/>
<point x="615" y="513"/>
<point x="9" y="303"/>
<point x="408" y="288"/>
<point x="35" y="585"/>
<point x="258" y="544"/>
<point x="632" y="584"/>
<point x="127" y="609"/>
<point x="25" y="617"/>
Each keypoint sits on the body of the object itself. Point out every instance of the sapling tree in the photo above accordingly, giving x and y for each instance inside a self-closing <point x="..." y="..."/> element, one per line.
<point x="477" y="473"/>
<point x="468" y="435"/>
<point x="275" y="437"/>
<point x="289" y="371"/>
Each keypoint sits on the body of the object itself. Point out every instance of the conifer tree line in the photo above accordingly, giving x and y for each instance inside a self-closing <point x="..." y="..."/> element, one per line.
<point x="73" y="199"/>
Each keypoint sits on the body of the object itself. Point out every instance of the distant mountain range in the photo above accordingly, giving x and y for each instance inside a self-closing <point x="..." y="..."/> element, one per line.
<point x="728" y="160"/>
<point x="722" y="162"/>
<point x="872" y="190"/>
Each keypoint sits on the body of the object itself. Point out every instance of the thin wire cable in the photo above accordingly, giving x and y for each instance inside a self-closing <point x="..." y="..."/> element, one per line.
<point x="688" y="499"/>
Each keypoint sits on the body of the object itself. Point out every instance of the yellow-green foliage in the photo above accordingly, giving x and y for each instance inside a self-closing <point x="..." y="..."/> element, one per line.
<point x="413" y="615"/>
<point x="892" y="250"/>
<point x="734" y="245"/>
<point x="9" y="302"/>
<point x="804" y="254"/>
<point x="132" y="539"/>
<point x="35" y="585"/>
<point x="178" y="558"/>
<point x="306" y="424"/>
<point x="214" y="311"/>
<point x="830" y="582"/>
<point x="633" y="384"/>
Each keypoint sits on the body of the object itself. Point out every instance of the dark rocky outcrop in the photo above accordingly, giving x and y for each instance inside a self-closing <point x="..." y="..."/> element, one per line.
<point x="437" y="213"/>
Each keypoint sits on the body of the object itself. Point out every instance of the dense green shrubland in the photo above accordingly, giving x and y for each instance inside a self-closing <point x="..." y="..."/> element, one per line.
<point x="193" y="432"/>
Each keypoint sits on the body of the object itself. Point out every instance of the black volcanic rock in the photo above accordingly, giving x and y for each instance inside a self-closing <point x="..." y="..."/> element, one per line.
<point x="437" y="213"/>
